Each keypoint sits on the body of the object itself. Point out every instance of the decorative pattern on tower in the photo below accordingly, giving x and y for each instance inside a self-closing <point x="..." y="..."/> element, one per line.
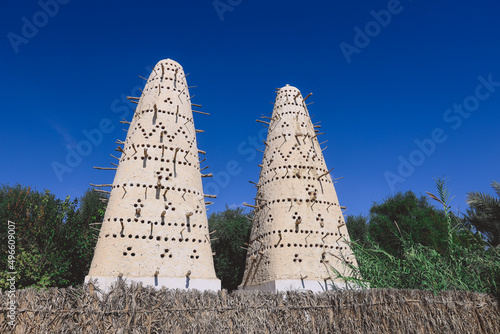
<point x="155" y="228"/>
<point x="298" y="226"/>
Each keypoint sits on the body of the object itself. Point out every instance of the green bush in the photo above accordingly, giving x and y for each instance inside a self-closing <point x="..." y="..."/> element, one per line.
<point x="422" y="267"/>
<point x="233" y="231"/>
<point x="357" y="226"/>
<point x="54" y="242"/>
<point x="407" y="214"/>
<point x="411" y="245"/>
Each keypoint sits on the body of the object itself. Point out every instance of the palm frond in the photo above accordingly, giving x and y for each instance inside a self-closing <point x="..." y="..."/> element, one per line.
<point x="496" y="187"/>
<point x="483" y="202"/>
<point x="484" y="214"/>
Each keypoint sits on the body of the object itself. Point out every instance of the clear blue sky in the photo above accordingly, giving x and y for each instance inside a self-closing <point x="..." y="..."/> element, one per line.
<point x="379" y="86"/>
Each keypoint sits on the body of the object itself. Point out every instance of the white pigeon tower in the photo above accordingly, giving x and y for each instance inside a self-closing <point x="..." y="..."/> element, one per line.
<point x="155" y="228"/>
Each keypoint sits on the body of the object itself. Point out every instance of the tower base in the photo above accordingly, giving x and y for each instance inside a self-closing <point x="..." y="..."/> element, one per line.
<point x="297" y="285"/>
<point x="104" y="283"/>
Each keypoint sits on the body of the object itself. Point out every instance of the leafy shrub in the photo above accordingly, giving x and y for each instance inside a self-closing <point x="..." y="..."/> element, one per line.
<point x="54" y="243"/>
<point x="233" y="231"/>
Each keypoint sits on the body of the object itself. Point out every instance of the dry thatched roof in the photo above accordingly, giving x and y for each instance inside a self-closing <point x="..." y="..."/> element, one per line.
<point x="135" y="309"/>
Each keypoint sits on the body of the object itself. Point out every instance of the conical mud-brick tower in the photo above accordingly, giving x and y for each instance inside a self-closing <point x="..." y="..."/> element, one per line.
<point x="298" y="226"/>
<point x="155" y="228"/>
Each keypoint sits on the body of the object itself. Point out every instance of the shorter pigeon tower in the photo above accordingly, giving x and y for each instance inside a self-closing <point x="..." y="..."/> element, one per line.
<point x="155" y="228"/>
<point x="298" y="226"/>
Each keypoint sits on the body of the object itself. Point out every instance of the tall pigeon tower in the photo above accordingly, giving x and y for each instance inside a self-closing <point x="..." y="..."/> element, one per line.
<point x="298" y="226"/>
<point x="155" y="228"/>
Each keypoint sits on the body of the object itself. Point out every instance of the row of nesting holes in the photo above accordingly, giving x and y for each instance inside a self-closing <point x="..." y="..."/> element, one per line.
<point x="161" y="160"/>
<point x="168" y="224"/>
<point x="163" y="254"/>
<point x="162" y="187"/>
<point x="300" y="245"/>
<point x="305" y="246"/>
<point x="300" y="200"/>
<point x="293" y="177"/>
<point x="297" y="231"/>
<point x="320" y="160"/>
<point x="308" y="168"/>
<point x="288" y="176"/>
<point x="291" y="112"/>
<point x="289" y="104"/>
<point x="158" y="238"/>
<point x="171" y="148"/>
<point x="161" y="223"/>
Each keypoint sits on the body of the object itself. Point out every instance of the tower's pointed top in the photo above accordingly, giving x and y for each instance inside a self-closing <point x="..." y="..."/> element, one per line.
<point x="170" y="62"/>
<point x="289" y="87"/>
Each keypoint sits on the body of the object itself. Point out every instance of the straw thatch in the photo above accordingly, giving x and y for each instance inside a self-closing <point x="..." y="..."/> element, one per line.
<point x="135" y="309"/>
